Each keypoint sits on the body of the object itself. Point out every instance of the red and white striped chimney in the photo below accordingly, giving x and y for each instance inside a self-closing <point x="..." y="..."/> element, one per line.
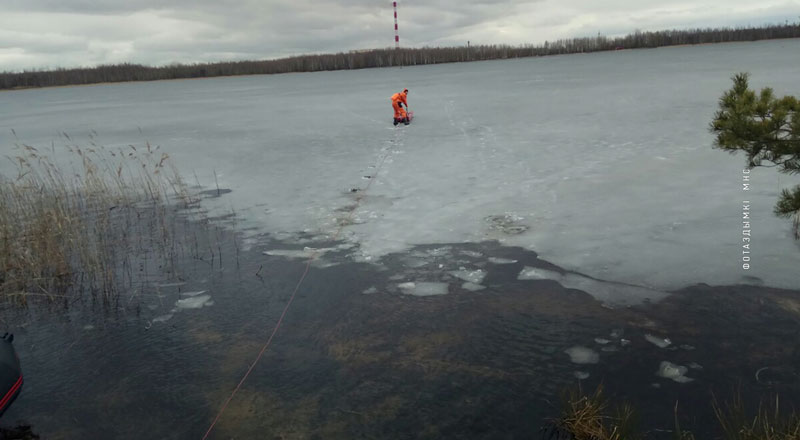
<point x="396" y="34"/>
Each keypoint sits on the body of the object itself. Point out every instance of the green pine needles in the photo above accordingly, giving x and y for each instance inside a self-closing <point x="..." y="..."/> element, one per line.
<point x="765" y="127"/>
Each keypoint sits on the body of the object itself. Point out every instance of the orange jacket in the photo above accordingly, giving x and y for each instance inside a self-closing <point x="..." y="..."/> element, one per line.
<point x="400" y="97"/>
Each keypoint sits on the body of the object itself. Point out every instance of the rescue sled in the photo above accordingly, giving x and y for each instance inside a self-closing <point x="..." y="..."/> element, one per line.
<point x="410" y="116"/>
<point x="10" y="373"/>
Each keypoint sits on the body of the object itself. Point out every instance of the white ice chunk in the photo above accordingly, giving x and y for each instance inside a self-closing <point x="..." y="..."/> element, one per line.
<point x="170" y="284"/>
<point x="472" y="254"/>
<point x="199" y="292"/>
<point x="370" y="291"/>
<point x="582" y="355"/>
<point x="163" y="318"/>
<point x="471" y="276"/>
<point x="88" y="327"/>
<point x="495" y="260"/>
<point x="668" y="370"/>
<point x="194" y="302"/>
<point x="472" y="287"/>
<point x="659" y="342"/>
<point x="601" y="341"/>
<point x="424" y="288"/>
<point x="580" y="375"/>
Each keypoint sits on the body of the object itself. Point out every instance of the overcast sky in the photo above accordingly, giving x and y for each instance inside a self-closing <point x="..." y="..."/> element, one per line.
<point x="69" y="33"/>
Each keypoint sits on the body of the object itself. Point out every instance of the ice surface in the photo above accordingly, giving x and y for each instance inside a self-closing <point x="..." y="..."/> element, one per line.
<point x="424" y="288"/>
<point x="609" y="293"/>
<point x="562" y="156"/>
<point x="582" y="355"/>
<point x="677" y="373"/>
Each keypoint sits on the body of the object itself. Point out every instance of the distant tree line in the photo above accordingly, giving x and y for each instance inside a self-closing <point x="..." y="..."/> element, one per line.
<point x="390" y="57"/>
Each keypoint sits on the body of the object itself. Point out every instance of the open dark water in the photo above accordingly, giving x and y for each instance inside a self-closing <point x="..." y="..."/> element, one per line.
<point x="385" y="364"/>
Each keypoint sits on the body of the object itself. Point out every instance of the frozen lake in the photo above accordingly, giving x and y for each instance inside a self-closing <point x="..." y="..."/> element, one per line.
<point x="600" y="163"/>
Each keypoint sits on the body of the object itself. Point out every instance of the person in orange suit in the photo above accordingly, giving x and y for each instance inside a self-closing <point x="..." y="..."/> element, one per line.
<point x="398" y="100"/>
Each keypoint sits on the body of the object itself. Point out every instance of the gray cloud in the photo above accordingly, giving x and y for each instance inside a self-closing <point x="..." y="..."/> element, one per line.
<point x="50" y="33"/>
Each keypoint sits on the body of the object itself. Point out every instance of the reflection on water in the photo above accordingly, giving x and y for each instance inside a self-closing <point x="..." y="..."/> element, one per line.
<point x="360" y="356"/>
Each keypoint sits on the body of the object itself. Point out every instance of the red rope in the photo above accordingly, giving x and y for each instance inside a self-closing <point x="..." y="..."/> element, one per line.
<point x="289" y="303"/>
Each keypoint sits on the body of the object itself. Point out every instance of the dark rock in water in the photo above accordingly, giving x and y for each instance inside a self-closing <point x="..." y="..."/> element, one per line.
<point x="21" y="432"/>
<point x="352" y="190"/>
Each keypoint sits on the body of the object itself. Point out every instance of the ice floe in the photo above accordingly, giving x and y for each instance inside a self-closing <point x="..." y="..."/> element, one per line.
<point x="472" y="287"/>
<point x="163" y="318"/>
<point x="582" y="355"/>
<point x="188" y="294"/>
<point x="580" y="375"/>
<point x="170" y="284"/>
<point x="370" y="291"/>
<point x="471" y="276"/>
<point x="423" y="288"/>
<point x="657" y="341"/>
<point x="668" y="370"/>
<point x="194" y="302"/>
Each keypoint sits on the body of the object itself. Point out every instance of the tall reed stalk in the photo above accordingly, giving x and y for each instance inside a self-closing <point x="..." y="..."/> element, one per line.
<point x="67" y="226"/>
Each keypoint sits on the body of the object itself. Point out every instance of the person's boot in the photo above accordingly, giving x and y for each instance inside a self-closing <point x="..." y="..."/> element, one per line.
<point x="405" y="121"/>
<point x="395" y="121"/>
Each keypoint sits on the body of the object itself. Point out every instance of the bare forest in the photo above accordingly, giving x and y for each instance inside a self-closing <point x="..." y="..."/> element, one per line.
<point x="390" y="57"/>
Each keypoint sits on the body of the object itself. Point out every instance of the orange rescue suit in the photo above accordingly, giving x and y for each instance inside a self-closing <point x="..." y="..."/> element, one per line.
<point x="397" y="98"/>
